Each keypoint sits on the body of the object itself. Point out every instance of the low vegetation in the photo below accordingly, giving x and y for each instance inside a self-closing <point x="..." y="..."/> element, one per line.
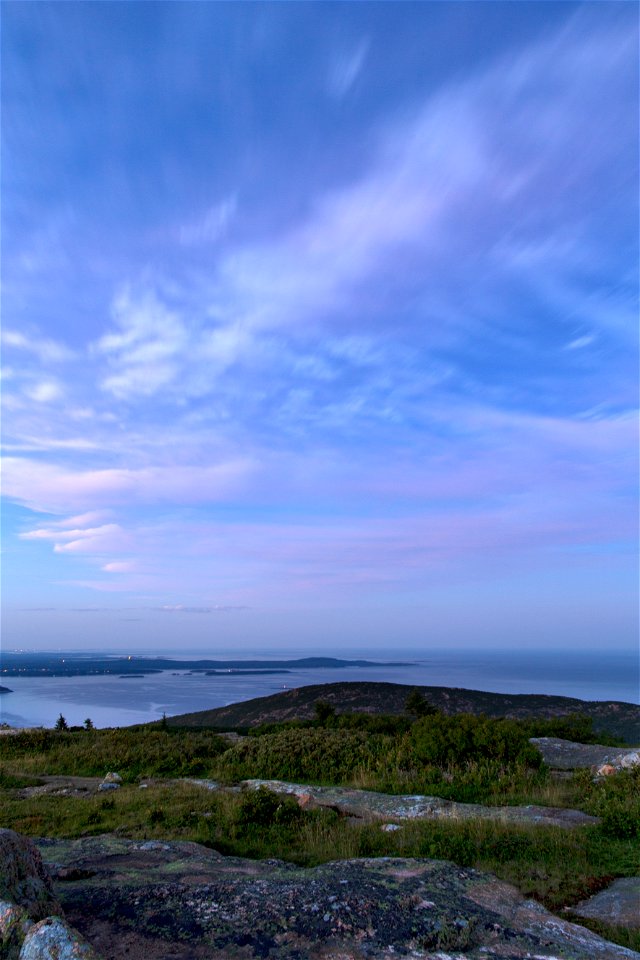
<point x="463" y="757"/>
<point x="142" y="752"/>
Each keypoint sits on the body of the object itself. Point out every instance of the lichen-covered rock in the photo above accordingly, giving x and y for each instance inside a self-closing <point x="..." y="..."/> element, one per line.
<point x="562" y="754"/>
<point x="112" y="777"/>
<point x="370" y="805"/>
<point x="111" y="781"/>
<point x="53" y="939"/>
<point x="14" y="923"/>
<point x="619" y="903"/>
<point x="187" y="902"/>
<point x="24" y="880"/>
<point x="631" y="759"/>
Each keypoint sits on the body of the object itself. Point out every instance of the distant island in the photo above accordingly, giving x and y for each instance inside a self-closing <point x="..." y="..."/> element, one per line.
<point x="240" y="673"/>
<point x="83" y="665"/>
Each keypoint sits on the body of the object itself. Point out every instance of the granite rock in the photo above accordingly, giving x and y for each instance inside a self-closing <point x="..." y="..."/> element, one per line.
<point x="370" y="805"/>
<point x="184" y="901"/>
<point x="24" y="880"/>
<point x="54" y="939"/>
<point x="14" y="923"/>
<point x="562" y="754"/>
<point x="619" y="903"/>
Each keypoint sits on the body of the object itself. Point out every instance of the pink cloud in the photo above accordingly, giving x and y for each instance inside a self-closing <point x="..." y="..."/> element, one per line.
<point x="51" y="488"/>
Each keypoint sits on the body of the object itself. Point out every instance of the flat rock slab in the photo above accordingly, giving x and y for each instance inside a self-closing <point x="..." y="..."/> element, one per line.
<point x="62" y="786"/>
<point x="619" y="904"/>
<point x="566" y="755"/>
<point x="182" y="901"/>
<point x="382" y="806"/>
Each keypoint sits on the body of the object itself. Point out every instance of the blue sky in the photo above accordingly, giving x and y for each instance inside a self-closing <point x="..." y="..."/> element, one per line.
<point x="320" y="324"/>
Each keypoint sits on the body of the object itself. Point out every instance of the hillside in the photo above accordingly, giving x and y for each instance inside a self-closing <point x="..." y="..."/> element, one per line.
<point x="614" y="717"/>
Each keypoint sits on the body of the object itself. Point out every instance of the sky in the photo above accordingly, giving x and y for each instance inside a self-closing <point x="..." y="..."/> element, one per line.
<point x="319" y="325"/>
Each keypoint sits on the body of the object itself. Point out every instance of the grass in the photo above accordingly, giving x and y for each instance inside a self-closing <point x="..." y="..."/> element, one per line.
<point x="558" y="867"/>
<point x="134" y="753"/>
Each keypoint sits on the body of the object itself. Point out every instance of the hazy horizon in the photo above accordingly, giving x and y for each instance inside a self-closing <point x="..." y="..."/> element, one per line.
<point x="320" y="326"/>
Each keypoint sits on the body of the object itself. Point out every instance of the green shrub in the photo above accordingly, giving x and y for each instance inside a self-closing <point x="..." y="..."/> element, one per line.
<point x="315" y="755"/>
<point x="373" y="723"/>
<point x="443" y="740"/>
<point x="573" y="726"/>
<point x="264" y="808"/>
<point x="616" y="800"/>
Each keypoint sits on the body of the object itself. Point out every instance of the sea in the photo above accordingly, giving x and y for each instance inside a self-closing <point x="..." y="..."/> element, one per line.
<point x="113" y="701"/>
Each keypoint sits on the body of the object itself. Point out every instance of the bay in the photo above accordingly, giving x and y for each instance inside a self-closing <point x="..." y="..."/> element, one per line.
<point x="120" y="701"/>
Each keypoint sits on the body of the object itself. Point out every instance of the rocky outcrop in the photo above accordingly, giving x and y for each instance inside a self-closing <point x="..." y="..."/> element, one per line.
<point x="565" y="755"/>
<point x="619" y="904"/>
<point x="30" y="925"/>
<point x="381" y="806"/>
<point x="24" y="880"/>
<point x="154" y="901"/>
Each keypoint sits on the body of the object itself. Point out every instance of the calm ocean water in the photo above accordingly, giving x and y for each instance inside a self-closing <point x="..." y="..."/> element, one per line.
<point x="114" y="701"/>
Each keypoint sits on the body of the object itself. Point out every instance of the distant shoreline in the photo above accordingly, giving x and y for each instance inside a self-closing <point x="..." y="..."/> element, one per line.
<point x="117" y="698"/>
<point x="80" y="665"/>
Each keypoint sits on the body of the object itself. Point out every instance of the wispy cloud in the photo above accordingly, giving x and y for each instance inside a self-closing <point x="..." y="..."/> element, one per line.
<point x="345" y="68"/>
<point x="50" y="488"/>
<point x="211" y="226"/>
<point x="45" y="349"/>
<point x="145" y="349"/>
<point x="411" y="365"/>
<point x="45" y="392"/>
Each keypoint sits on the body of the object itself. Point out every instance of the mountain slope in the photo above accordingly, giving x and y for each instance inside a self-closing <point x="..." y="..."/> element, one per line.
<point x="615" y="717"/>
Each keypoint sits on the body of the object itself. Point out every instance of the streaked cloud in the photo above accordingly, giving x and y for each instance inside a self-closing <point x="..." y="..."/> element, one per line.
<point x="345" y="68"/>
<point x="330" y="327"/>
<point x="211" y="226"/>
<point x="44" y="348"/>
<point x="50" y="488"/>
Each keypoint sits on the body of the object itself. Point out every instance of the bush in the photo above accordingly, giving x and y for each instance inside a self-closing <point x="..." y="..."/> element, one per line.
<point x="446" y="740"/>
<point x="264" y="808"/>
<point x="573" y="726"/>
<point x="315" y="755"/>
<point x="616" y="800"/>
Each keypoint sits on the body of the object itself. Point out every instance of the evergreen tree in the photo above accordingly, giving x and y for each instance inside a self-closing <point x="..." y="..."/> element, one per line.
<point x="417" y="705"/>
<point x="324" y="711"/>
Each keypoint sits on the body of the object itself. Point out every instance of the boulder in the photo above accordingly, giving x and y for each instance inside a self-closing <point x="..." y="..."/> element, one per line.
<point x="619" y="904"/>
<point x="24" y="880"/>
<point x="14" y="923"/>
<point x="605" y="770"/>
<point x="188" y="902"/>
<point x="111" y="781"/>
<point x="53" y="939"/>
<point x="562" y="754"/>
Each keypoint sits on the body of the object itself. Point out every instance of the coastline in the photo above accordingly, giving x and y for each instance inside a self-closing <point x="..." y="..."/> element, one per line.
<point x="124" y="700"/>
